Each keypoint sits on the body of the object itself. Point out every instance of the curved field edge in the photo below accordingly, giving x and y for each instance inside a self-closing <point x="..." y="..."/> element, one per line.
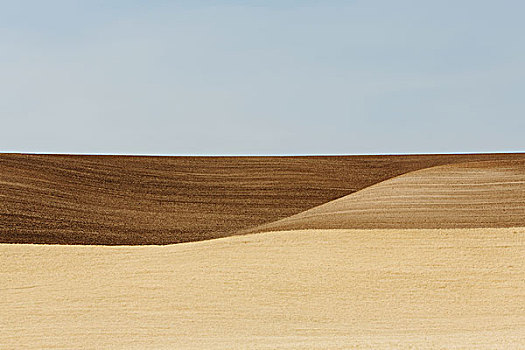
<point x="461" y="195"/>
<point x="423" y="288"/>
<point x="124" y="200"/>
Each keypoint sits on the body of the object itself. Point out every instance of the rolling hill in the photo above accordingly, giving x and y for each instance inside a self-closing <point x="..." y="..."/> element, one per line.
<point x="123" y="200"/>
<point x="429" y="258"/>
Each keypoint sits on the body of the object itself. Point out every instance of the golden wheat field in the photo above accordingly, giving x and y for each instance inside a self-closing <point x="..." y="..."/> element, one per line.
<point x="402" y="252"/>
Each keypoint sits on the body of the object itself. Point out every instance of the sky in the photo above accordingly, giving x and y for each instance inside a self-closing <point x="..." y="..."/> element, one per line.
<point x="262" y="77"/>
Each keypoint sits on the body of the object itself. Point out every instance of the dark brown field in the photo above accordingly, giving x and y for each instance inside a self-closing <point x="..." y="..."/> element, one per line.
<point x="122" y="200"/>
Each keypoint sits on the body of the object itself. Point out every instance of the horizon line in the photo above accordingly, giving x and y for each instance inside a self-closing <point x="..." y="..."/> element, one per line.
<point x="259" y="154"/>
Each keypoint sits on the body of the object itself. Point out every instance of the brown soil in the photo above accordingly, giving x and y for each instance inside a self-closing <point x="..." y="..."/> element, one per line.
<point x="160" y="200"/>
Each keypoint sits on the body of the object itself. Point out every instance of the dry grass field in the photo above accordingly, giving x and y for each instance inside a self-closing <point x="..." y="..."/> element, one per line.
<point x="382" y="252"/>
<point x="329" y="289"/>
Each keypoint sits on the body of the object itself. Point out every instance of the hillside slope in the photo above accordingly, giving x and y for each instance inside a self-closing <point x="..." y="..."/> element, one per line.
<point x="464" y="195"/>
<point x="160" y="200"/>
<point x="331" y="289"/>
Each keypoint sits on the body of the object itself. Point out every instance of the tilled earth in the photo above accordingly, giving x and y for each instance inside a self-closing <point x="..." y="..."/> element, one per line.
<point x="125" y="200"/>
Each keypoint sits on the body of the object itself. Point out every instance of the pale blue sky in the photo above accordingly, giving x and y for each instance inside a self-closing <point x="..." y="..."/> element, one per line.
<point x="262" y="77"/>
